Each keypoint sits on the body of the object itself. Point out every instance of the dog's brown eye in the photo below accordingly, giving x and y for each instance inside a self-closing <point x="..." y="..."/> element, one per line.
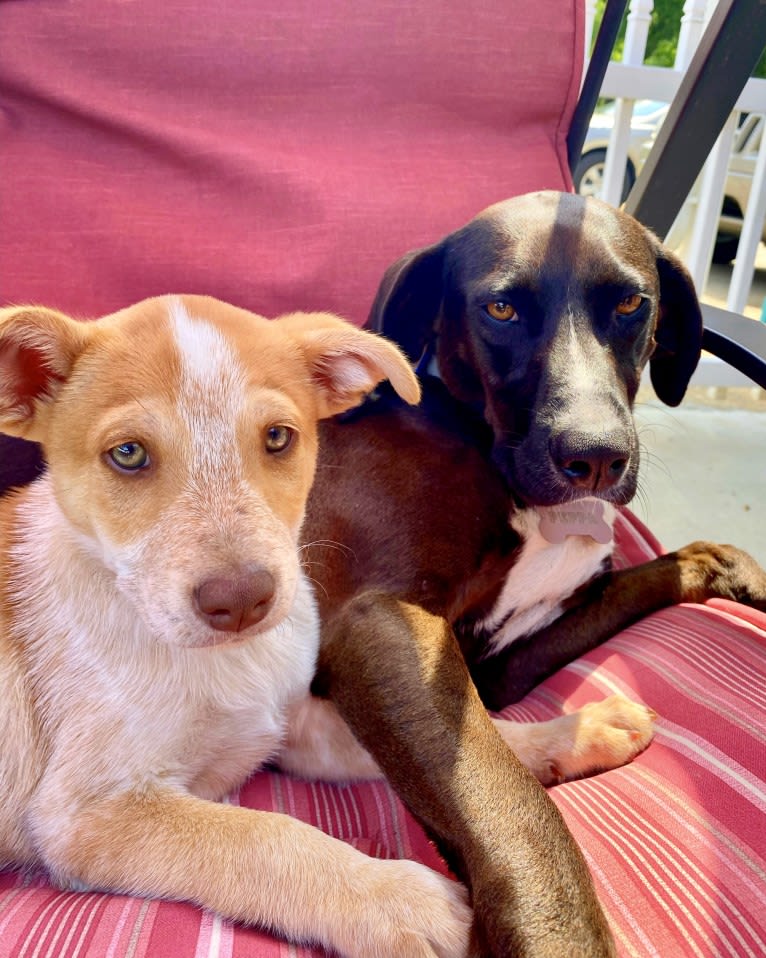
<point x="278" y="438"/>
<point x="501" y="311"/>
<point x="129" y="456"/>
<point x="629" y="305"/>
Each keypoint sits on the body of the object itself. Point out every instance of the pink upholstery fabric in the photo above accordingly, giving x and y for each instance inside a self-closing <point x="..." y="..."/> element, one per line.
<point x="280" y="156"/>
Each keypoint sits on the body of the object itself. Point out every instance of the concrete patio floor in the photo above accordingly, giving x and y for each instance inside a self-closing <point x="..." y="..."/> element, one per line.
<point x="703" y="471"/>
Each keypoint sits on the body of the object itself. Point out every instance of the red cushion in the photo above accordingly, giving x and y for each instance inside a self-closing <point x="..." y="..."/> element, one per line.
<point x="676" y="841"/>
<point x="275" y="155"/>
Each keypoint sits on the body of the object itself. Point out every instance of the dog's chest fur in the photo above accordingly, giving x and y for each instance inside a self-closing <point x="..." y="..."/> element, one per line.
<point x="542" y="577"/>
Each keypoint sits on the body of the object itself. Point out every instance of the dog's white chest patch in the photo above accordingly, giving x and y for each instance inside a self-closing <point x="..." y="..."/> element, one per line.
<point x="547" y="572"/>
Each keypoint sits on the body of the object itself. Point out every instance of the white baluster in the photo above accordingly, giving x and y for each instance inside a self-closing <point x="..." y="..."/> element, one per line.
<point x="709" y="209"/>
<point x="711" y="5"/>
<point x="744" y="265"/>
<point x="636" y="34"/>
<point x="695" y="16"/>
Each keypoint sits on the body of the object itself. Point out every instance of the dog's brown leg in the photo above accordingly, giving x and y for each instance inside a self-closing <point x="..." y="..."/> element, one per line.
<point x="397" y="675"/>
<point x="612" y="602"/>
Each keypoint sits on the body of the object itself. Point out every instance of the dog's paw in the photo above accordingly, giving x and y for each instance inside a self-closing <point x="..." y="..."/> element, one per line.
<point x="709" y="570"/>
<point x="412" y="912"/>
<point x="606" y="734"/>
<point x="600" y="736"/>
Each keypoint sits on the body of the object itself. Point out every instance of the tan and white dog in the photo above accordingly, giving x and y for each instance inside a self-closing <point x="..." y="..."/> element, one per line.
<point x="155" y="624"/>
<point x="158" y="634"/>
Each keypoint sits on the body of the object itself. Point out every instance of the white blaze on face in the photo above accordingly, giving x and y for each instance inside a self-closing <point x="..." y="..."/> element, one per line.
<point x="211" y="395"/>
<point x="579" y="370"/>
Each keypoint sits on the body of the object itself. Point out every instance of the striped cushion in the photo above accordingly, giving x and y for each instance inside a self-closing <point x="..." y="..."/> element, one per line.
<point x="676" y="840"/>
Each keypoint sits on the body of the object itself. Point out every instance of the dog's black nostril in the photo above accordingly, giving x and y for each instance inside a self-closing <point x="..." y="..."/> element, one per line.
<point x="577" y="469"/>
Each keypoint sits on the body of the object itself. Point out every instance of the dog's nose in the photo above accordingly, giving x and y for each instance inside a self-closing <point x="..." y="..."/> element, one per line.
<point x="233" y="603"/>
<point x="586" y="462"/>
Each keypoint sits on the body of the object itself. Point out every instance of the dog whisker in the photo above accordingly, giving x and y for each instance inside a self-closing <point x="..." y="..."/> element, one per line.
<point x="317" y="583"/>
<point x="653" y="459"/>
<point x="329" y="544"/>
<point x="642" y="498"/>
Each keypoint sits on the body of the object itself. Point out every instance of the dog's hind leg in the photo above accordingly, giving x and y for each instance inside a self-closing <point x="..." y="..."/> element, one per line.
<point x="600" y="736"/>
<point x="320" y="745"/>
<point x="612" y="602"/>
<point x="261" y="868"/>
<point x="397" y="676"/>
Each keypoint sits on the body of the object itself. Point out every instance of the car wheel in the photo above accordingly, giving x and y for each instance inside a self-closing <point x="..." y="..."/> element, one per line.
<point x="725" y="248"/>
<point x="726" y="244"/>
<point x="588" y="176"/>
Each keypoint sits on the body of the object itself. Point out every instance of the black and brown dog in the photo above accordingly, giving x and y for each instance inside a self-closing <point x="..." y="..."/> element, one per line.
<point x="470" y="537"/>
<point x="476" y="529"/>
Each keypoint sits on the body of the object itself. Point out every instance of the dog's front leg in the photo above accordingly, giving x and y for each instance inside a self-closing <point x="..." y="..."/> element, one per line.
<point x="399" y="679"/>
<point x="260" y="868"/>
<point x="612" y="602"/>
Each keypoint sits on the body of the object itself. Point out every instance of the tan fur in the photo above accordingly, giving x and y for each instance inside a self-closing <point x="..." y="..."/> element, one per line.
<point x="126" y="715"/>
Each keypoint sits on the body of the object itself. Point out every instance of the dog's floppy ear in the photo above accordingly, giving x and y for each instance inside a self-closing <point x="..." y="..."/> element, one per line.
<point x="408" y="300"/>
<point x="347" y="363"/>
<point x="38" y="348"/>
<point x="679" y="330"/>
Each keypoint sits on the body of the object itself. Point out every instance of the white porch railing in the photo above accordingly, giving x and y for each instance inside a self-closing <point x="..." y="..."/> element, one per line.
<point x="694" y="233"/>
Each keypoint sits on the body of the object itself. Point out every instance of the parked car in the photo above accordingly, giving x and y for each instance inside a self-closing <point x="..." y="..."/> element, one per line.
<point x="588" y="175"/>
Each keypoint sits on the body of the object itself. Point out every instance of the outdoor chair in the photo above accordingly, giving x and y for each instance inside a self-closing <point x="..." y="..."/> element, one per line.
<point x="280" y="156"/>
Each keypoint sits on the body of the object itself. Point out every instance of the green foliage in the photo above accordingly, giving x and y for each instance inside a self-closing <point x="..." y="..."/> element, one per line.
<point x="663" y="35"/>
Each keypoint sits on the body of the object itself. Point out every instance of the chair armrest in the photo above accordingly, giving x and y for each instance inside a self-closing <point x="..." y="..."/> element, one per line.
<point x="739" y="341"/>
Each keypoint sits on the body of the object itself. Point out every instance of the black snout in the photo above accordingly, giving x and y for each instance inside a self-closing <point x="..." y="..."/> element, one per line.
<point x="234" y="602"/>
<point x="591" y="463"/>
